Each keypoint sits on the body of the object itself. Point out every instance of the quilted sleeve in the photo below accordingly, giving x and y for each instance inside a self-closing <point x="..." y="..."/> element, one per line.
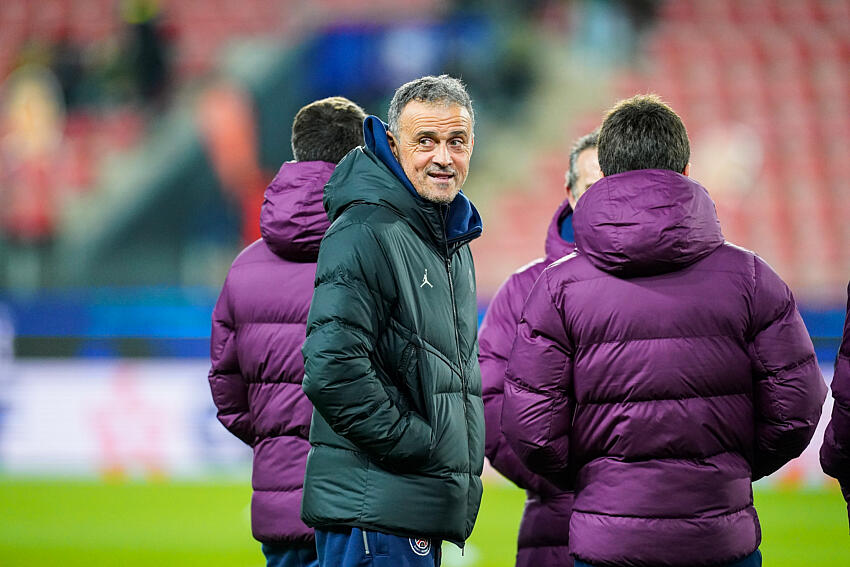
<point x="496" y="338"/>
<point x="350" y="308"/>
<point x="789" y="390"/>
<point x="835" y="452"/>
<point x="537" y="411"/>
<point x="229" y="390"/>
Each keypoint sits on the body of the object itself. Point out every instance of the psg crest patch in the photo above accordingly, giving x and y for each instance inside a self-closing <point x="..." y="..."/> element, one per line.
<point x="420" y="546"/>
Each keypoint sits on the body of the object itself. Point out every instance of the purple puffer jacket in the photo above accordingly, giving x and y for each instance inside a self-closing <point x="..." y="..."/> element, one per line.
<point x="658" y="371"/>
<point x="835" y="452"/>
<point x="259" y="325"/>
<point x="546" y="518"/>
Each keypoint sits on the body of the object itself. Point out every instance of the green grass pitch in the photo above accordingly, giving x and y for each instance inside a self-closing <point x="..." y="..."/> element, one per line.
<point x="207" y="524"/>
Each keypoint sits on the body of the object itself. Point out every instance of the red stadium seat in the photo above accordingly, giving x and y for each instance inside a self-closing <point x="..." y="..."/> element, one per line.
<point x="781" y="68"/>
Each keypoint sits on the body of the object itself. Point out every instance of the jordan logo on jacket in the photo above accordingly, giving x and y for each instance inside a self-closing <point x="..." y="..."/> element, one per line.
<point x="425" y="280"/>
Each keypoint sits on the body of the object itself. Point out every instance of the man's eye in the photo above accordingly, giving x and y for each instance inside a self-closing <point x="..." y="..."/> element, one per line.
<point x="457" y="142"/>
<point x="426" y="142"/>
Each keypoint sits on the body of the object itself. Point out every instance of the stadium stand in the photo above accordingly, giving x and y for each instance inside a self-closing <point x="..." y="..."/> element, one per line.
<point x="779" y="69"/>
<point x="764" y="89"/>
<point x="123" y="68"/>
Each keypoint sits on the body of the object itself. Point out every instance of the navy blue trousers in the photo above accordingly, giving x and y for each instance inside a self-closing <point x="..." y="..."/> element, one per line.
<point x="751" y="560"/>
<point x="288" y="556"/>
<point x="353" y="547"/>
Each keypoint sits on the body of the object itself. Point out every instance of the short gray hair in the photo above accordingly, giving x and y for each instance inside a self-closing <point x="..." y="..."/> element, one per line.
<point x="586" y="142"/>
<point x="443" y="89"/>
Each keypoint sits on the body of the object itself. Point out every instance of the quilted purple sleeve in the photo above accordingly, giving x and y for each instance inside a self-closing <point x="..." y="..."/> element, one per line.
<point x="496" y="338"/>
<point x="229" y="390"/>
<point x="536" y="414"/>
<point x="835" y="452"/>
<point x="789" y="390"/>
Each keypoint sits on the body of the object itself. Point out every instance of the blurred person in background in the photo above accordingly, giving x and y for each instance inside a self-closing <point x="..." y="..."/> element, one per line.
<point x="391" y="352"/>
<point x="32" y="120"/>
<point x="544" y="529"/>
<point x="659" y="370"/>
<point x="259" y="326"/>
<point x="147" y="51"/>
<point x="835" y="451"/>
<point x="228" y="127"/>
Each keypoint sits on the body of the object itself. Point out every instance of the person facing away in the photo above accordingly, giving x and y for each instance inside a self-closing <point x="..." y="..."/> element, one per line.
<point x="659" y="370"/>
<point x="544" y="528"/>
<point x="391" y="351"/>
<point x="835" y="451"/>
<point x="259" y="323"/>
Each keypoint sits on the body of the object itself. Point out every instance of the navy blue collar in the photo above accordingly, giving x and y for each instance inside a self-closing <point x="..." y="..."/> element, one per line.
<point x="462" y="218"/>
<point x="566" y="229"/>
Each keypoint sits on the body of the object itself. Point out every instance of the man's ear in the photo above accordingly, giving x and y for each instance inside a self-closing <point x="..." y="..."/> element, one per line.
<point x="687" y="170"/>
<point x="570" y="198"/>
<point x="391" y="142"/>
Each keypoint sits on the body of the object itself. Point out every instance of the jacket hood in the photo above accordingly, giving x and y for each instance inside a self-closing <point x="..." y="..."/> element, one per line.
<point x="646" y="222"/>
<point x="371" y="174"/>
<point x="556" y="245"/>
<point x="293" y="221"/>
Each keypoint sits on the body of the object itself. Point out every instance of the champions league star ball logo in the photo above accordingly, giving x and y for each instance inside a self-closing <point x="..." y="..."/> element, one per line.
<point x="420" y="546"/>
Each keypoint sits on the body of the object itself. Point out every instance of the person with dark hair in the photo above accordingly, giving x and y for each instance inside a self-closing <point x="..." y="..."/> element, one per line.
<point x="258" y="327"/>
<point x="544" y="529"/>
<point x="659" y="370"/>
<point x="391" y="352"/>
<point x="835" y="451"/>
<point x="643" y="133"/>
<point x="325" y="130"/>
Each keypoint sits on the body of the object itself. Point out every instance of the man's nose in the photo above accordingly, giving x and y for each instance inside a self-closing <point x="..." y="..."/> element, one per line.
<point x="441" y="155"/>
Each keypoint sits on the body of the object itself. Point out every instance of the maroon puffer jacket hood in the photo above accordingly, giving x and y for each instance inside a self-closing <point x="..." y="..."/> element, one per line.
<point x="653" y="223"/>
<point x="259" y="325"/>
<point x="293" y="220"/>
<point x="658" y="371"/>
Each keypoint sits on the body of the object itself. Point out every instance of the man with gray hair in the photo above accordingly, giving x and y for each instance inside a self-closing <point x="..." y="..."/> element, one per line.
<point x="391" y="352"/>
<point x="584" y="168"/>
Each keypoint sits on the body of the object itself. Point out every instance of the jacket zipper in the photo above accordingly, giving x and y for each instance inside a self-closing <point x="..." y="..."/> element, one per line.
<point x="454" y="314"/>
<point x="457" y="346"/>
<point x="444" y="211"/>
<point x="365" y="542"/>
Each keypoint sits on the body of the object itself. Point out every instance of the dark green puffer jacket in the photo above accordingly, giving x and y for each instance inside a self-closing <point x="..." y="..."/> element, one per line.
<point x="391" y="362"/>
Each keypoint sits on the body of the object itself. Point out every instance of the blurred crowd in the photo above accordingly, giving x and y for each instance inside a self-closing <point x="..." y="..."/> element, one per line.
<point x="67" y="100"/>
<point x="82" y="81"/>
